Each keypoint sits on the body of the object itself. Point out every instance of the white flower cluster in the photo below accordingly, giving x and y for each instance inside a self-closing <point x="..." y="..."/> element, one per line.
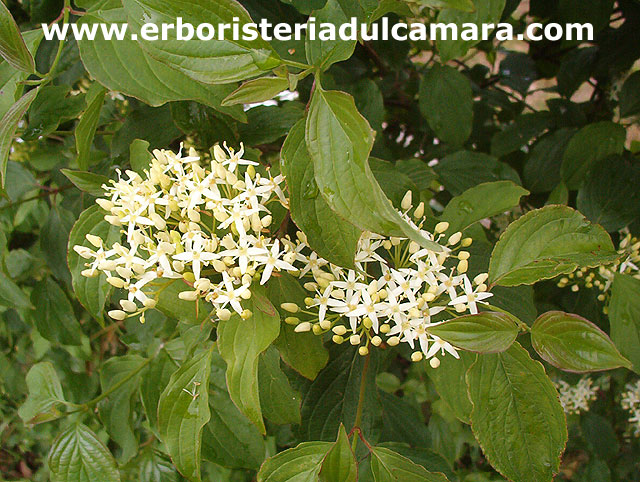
<point x="631" y="402"/>
<point x="575" y="399"/>
<point x="602" y="277"/>
<point x="205" y="226"/>
<point x="397" y="291"/>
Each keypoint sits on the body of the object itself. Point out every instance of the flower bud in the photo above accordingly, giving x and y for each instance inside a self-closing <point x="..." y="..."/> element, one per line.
<point x="117" y="315"/>
<point x="339" y="330"/>
<point x="416" y="356"/>
<point x="354" y="339"/>
<point x="292" y="320"/>
<point x="302" y="327"/>
<point x="317" y="329"/>
<point x="434" y="362"/>
<point x="406" y="201"/>
<point x="441" y="227"/>
<point x="466" y="242"/>
<point x="223" y="314"/>
<point x="393" y="341"/>
<point x="385" y="328"/>
<point x="454" y="238"/>
<point x="149" y="303"/>
<point x="463" y="266"/>
<point x="246" y="314"/>
<point x="116" y="282"/>
<point x="188" y="295"/>
<point x="376" y="340"/>
<point x="290" y="307"/>
<point x="419" y="212"/>
<point x="129" y="306"/>
<point x="363" y="351"/>
<point x="95" y="240"/>
<point x="337" y="339"/>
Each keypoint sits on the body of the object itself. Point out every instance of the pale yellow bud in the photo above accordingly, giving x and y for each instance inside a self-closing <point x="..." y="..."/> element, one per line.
<point x="267" y="220"/>
<point x="460" y="307"/>
<point x="116" y="282"/>
<point x="463" y="255"/>
<point x="393" y="341"/>
<point x="303" y="327"/>
<point x="90" y="273"/>
<point x="117" y="315"/>
<point x="434" y="362"/>
<point x="354" y="339"/>
<point x="441" y="227"/>
<point x="454" y="238"/>
<point x="290" y="307"/>
<point x="292" y="320"/>
<point x="366" y="321"/>
<point x="188" y="295"/>
<point x="339" y="330"/>
<point x="416" y="356"/>
<point x="466" y="242"/>
<point x="223" y="314"/>
<point x="376" y="340"/>
<point x="251" y="171"/>
<point x="246" y="314"/>
<point x="385" y="328"/>
<point x="105" y="204"/>
<point x="363" y="351"/>
<point x="481" y="278"/>
<point x="463" y="266"/>
<point x="129" y="306"/>
<point x="325" y="324"/>
<point x="337" y="339"/>
<point x="419" y="212"/>
<point x="149" y="303"/>
<point x="317" y="329"/>
<point x="406" y="201"/>
<point x="95" y="240"/>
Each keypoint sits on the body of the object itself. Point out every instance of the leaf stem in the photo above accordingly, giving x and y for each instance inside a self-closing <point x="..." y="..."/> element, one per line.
<point x="363" y="386"/>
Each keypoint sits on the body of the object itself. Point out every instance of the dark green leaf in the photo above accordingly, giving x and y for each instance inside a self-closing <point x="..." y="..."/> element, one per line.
<point x="52" y="106"/>
<point x="624" y="315"/>
<point x="542" y="168"/>
<point x="214" y="62"/>
<point x="152" y="385"/>
<point x="390" y="466"/>
<point x="54" y="316"/>
<point x="446" y="102"/>
<point x="11" y="295"/>
<point x="45" y="395"/>
<point x="588" y="146"/>
<point x="280" y="404"/>
<point x="86" y="128"/>
<point x="518" y="134"/>
<point x="487" y="332"/>
<point x="257" y="90"/>
<point x="630" y="96"/>
<point x="517" y="416"/>
<point x="183" y="411"/>
<point x="301" y="463"/>
<point x="267" y="124"/>
<point x="240" y="343"/>
<point x="12" y="46"/>
<point x="77" y="455"/>
<point x="545" y="243"/>
<point x="339" y="140"/>
<point x="481" y="201"/>
<point x="449" y="380"/>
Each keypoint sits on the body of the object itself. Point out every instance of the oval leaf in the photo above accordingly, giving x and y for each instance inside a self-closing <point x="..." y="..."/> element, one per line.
<point x="574" y="344"/>
<point x="517" y="417"/>
<point x="12" y="46"/>
<point x="297" y="464"/>
<point x="340" y="464"/>
<point x="78" y="456"/>
<point x="482" y="333"/>
<point x="390" y="466"/>
<point x="545" y="243"/>
<point x="257" y="90"/>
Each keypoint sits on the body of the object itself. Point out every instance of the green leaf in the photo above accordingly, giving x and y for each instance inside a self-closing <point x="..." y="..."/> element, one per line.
<point x="299" y="464"/>
<point x="481" y="201"/>
<point x="574" y="344"/>
<point x="11" y="295"/>
<point x="77" y="455"/>
<point x="488" y="11"/>
<point x="332" y="398"/>
<point x="518" y="134"/>
<point x="339" y="465"/>
<point x="609" y="195"/>
<point x="122" y="375"/>
<point x="240" y="343"/>
<point x="324" y="53"/>
<point x="88" y="123"/>
<point x="542" y="168"/>
<point x="630" y="96"/>
<point x="280" y="404"/>
<point x="52" y="106"/>
<point x="12" y="46"/>
<point x="449" y="381"/>
<point x="87" y="181"/>
<point x="463" y="5"/>
<point x="304" y="352"/>
<point x="54" y="317"/>
<point x="545" y="243"/>
<point x="329" y="235"/>
<point x="402" y="421"/>
<point x="8" y="127"/>
<point x="139" y="156"/>
<point x="446" y="101"/>
<point x="91" y="292"/>
<point x="229" y="439"/>
<point x="124" y="66"/>
<point x="487" y="332"/>
<point x="213" y="61"/>
<point x="257" y="90"/>
<point x="390" y="466"/>
<point x="45" y="395"/>
<point x="183" y="411"/>
<point x="517" y="417"/>
<point x="339" y="140"/>
<point x="394" y="182"/>
<point x="189" y="312"/>
<point x="624" y="316"/>
<point x="153" y="384"/>
<point x="10" y="77"/>
<point x="268" y="123"/>
<point x="589" y="145"/>
<point x="464" y="169"/>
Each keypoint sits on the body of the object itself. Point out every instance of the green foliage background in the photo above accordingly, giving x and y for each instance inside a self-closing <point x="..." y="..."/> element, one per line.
<point x="536" y="136"/>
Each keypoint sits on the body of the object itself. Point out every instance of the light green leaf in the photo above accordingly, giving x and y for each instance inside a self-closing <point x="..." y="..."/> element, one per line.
<point x="10" y="77"/>
<point x="324" y="53"/>
<point x="331" y="236"/>
<point x="212" y="61"/>
<point x="124" y="66"/>
<point x="183" y="411"/>
<point x="481" y="201"/>
<point x="339" y="140"/>
<point x="517" y="417"/>
<point x="464" y="5"/>
<point x="487" y="332"/>
<point x="11" y="295"/>
<point x="446" y="102"/>
<point x="88" y="123"/>
<point x="624" y="316"/>
<point x="487" y="11"/>
<point x="77" y="455"/>
<point x="229" y="439"/>
<point x="299" y="464"/>
<point x="189" y="312"/>
<point x="240" y="343"/>
<point x="8" y="127"/>
<point x="545" y="243"/>
<point x="52" y="106"/>
<point x="45" y="395"/>
<point x="390" y="466"/>
<point x="257" y="90"/>
<point x="574" y="344"/>
<point x="91" y="292"/>
<point x="54" y="316"/>
<point x="87" y="181"/>
<point x="280" y="404"/>
<point x="139" y="156"/>
<point x="588" y="146"/>
<point x="12" y="46"/>
<point x="153" y="384"/>
<point x="123" y="374"/>
<point x="450" y="383"/>
<point x="339" y="465"/>
<point x="304" y="352"/>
